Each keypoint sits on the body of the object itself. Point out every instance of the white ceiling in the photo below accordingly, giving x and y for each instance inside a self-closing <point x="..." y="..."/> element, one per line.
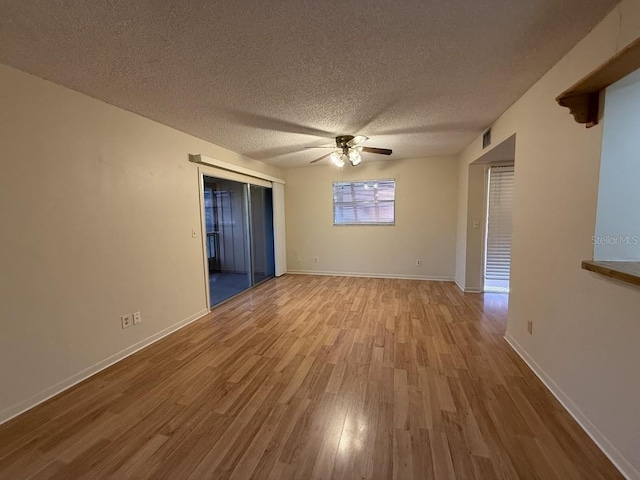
<point x="266" y="78"/>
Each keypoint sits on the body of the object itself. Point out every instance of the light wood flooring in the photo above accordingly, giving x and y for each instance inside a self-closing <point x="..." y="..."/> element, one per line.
<point x="314" y="377"/>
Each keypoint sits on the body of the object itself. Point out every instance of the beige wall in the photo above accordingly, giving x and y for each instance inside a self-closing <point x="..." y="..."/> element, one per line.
<point x="586" y="328"/>
<point x="462" y="222"/>
<point x="476" y="212"/>
<point x="97" y="207"/>
<point x="425" y="221"/>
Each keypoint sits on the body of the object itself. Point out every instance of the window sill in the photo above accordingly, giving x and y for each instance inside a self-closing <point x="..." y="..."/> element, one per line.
<point x="628" y="272"/>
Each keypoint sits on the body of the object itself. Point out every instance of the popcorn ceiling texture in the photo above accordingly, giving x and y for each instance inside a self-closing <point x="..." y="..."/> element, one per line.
<point x="265" y="79"/>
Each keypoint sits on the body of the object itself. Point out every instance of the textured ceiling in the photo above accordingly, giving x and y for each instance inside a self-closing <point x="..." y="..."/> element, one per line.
<point x="266" y="78"/>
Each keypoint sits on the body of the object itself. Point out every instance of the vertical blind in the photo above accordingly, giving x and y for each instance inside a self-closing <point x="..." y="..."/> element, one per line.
<point x="500" y="202"/>
<point x="364" y="203"/>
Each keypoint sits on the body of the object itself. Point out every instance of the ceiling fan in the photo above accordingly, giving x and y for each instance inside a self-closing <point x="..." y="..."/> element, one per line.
<point x="348" y="148"/>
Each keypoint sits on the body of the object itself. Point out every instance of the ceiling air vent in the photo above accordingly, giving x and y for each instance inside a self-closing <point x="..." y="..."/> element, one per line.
<point x="486" y="139"/>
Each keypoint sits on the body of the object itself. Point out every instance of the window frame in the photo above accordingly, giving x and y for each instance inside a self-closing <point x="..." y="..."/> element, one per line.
<point x="352" y="182"/>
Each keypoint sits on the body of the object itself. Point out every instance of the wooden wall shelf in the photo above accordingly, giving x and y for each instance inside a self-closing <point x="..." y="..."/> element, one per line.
<point x="583" y="99"/>
<point x="625" y="271"/>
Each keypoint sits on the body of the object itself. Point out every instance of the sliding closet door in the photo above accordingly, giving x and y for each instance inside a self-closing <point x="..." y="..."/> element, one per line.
<point x="227" y="238"/>
<point x="261" y="200"/>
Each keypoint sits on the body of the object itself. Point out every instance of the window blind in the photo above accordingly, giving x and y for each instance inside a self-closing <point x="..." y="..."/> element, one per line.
<point x="498" y="240"/>
<point x="364" y="203"/>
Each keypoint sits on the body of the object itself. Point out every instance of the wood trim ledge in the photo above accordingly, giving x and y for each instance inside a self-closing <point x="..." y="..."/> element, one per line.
<point x="628" y="272"/>
<point x="582" y="99"/>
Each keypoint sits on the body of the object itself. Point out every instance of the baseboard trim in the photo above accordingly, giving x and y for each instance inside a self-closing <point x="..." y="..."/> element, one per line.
<point x="620" y="462"/>
<point x="467" y="290"/>
<point x="370" y="275"/>
<point x="473" y="290"/>
<point x="50" y="392"/>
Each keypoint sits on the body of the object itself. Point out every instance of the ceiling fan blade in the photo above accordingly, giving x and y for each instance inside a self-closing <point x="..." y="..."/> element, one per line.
<point x="322" y="147"/>
<point x="357" y="140"/>
<point x="321" y="158"/>
<point x="381" y="151"/>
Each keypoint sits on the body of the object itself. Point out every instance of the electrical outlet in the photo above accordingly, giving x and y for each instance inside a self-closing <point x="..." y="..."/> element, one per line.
<point x="315" y="260"/>
<point x="137" y="318"/>
<point x="127" y="320"/>
<point x="299" y="258"/>
<point x="418" y="262"/>
<point x="530" y="327"/>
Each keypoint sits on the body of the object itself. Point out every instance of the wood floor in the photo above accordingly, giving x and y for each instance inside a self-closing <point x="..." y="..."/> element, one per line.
<point x="314" y="377"/>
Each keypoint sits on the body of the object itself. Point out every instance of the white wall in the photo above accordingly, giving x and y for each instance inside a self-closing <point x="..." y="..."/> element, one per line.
<point x="586" y="333"/>
<point x="618" y="217"/>
<point x="97" y="206"/>
<point x="425" y="226"/>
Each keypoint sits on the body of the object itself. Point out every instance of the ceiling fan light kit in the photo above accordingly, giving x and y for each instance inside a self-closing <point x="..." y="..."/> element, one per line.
<point x="354" y="156"/>
<point x="347" y="149"/>
<point x="337" y="159"/>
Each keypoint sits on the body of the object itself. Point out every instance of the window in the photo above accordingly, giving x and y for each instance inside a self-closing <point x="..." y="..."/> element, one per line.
<point x="364" y="203"/>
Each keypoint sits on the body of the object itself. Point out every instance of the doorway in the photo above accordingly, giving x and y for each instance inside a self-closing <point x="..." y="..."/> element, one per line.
<point x="239" y="239"/>
<point x="497" y="254"/>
